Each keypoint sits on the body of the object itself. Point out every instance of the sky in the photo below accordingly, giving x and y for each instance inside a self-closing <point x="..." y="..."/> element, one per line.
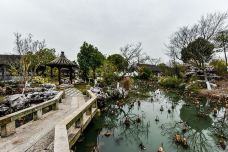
<point x="107" y="24"/>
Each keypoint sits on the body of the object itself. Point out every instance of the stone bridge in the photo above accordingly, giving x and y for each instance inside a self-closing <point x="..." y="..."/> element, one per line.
<point x="56" y="130"/>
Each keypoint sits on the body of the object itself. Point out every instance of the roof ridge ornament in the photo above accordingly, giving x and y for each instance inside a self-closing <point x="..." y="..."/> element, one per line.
<point x="62" y="54"/>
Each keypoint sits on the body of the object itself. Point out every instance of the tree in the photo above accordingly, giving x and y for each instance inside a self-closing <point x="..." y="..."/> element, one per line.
<point x="173" y="57"/>
<point x="198" y="53"/>
<point x="222" y="42"/>
<point x="211" y="24"/>
<point x="96" y="60"/>
<point x="118" y="61"/>
<point x="41" y="58"/>
<point x="25" y="47"/>
<point x="133" y="54"/>
<point x="89" y="58"/>
<point x="155" y="61"/>
<point x="207" y="28"/>
<point x="108" y="72"/>
<point x="219" y="66"/>
<point x="145" y="73"/>
<point x="83" y="59"/>
<point x="165" y="70"/>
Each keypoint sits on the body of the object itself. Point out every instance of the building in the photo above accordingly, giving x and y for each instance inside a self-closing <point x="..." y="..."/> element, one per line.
<point x="6" y="61"/>
<point x="155" y="69"/>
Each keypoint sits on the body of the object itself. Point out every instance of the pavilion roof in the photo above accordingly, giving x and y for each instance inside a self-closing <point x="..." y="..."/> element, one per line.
<point x="62" y="61"/>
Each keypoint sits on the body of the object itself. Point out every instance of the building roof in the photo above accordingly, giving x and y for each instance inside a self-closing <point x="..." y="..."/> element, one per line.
<point x="154" y="68"/>
<point x="62" y="61"/>
<point x="9" y="59"/>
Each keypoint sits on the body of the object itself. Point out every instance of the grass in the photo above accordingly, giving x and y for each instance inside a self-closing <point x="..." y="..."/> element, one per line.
<point x="82" y="87"/>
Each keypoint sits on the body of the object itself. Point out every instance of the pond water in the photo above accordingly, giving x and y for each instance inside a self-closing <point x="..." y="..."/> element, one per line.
<point x="108" y="133"/>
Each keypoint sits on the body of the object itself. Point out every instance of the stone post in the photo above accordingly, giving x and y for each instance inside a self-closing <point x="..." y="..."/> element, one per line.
<point x="37" y="115"/>
<point x="95" y="104"/>
<point x="89" y="111"/>
<point x="8" y="129"/>
<point x="79" y="122"/>
<point x="55" y="106"/>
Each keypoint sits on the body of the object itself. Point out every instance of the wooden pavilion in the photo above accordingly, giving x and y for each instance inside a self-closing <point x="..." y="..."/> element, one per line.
<point x="62" y="63"/>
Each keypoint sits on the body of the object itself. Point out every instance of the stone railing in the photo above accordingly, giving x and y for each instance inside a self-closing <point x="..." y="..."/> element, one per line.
<point x="8" y="122"/>
<point x="69" y="130"/>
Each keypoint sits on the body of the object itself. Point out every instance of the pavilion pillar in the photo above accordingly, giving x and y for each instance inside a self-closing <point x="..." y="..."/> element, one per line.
<point x="59" y="76"/>
<point x="71" y="75"/>
<point x="51" y="72"/>
<point x="2" y="74"/>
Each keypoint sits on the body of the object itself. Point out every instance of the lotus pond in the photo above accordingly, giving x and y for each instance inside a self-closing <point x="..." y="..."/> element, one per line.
<point x="175" y="112"/>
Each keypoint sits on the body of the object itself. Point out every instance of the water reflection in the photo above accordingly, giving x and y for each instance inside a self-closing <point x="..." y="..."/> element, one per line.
<point x="131" y="126"/>
<point x="111" y="133"/>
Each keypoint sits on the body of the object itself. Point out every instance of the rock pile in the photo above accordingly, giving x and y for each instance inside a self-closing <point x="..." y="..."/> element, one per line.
<point x="16" y="102"/>
<point x="117" y="93"/>
<point x="101" y="95"/>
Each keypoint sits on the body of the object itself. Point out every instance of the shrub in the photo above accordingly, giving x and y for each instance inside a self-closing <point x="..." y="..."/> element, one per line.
<point x="9" y="90"/>
<point x="219" y="66"/>
<point x="127" y="83"/>
<point x="40" y="79"/>
<point x="194" y="86"/>
<point x="166" y="70"/>
<point x="170" y="81"/>
<point x="108" y="73"/>
<point x="145" y="73"/>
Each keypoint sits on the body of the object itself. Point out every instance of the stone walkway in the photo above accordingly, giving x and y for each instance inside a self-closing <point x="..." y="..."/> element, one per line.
<point x="37" y="136"/>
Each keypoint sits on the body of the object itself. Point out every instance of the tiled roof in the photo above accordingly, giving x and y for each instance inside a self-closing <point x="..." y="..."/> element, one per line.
<point x="62" y="61"/>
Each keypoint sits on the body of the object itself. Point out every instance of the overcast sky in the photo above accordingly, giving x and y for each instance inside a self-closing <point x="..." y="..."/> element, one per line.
<point x="107" y="24"/>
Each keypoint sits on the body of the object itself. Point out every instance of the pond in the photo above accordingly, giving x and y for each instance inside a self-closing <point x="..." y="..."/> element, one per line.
<point x="109" y="133"/>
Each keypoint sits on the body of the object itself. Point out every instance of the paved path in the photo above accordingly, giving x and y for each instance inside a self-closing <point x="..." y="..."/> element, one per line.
<point x="37" y="136"/>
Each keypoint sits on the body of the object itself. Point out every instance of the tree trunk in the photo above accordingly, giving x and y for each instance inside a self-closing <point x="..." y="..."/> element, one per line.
<point x="51" y="72"/>
<point x="225" y="57"/>
<point x="71" y="75"/>
<point x="94" y="73"/>
<point x="59" y="75"/>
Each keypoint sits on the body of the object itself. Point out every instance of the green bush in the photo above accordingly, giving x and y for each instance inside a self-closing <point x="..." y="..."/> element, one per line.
<point x="145" y="73"/>
<point x="41" y="80"/>
<point x="170" y="81"/>
<point x="195" y="86"/>
<point x="108" y="73"/>
<point x="219" y="66"/>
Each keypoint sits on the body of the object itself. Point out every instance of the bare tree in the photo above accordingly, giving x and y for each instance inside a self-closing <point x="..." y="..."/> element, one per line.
<point x="155" y="61"/>
<point x="221" y="41"/>
<point x="207" y="28"/>
<point x="211" y="24"/>
<point x="27" y="44"/>
<point x="26" y="47"/>
<point x="133" y="54"/>
<point x="181" y="39"/>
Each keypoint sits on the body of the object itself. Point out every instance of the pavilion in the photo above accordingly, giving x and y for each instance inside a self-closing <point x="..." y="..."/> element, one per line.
<point x="62" y="63"/>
